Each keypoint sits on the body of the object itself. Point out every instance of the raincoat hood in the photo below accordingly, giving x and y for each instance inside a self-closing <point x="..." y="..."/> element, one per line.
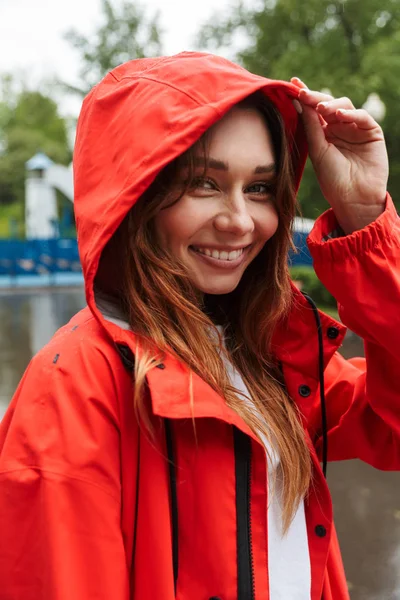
<point x="140" y="117"/>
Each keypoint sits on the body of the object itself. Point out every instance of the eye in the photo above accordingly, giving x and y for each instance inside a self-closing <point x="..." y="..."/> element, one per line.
<point x="201" y="183"/>
<point x="260" y="189"/>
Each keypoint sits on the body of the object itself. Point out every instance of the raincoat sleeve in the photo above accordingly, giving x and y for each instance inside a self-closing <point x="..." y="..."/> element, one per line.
<point x="362" y="271"/>
<point x="60" y="501"/>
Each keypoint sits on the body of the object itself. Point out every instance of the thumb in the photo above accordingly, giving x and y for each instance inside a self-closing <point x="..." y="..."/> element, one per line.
<point x="317" y="144"/>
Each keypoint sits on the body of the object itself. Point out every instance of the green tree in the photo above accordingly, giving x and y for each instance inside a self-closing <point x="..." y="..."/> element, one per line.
<point x="351" y="47"/>
<point x="30" y="124"/>
<point x="125" y="33"/>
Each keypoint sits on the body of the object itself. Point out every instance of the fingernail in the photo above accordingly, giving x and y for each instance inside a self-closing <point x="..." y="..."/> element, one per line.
<point x="323" y="104"/>
<point x="297" y="106"/>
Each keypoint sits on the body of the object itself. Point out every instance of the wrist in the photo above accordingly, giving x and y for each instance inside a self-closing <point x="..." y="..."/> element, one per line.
<point x="359" y="217"/>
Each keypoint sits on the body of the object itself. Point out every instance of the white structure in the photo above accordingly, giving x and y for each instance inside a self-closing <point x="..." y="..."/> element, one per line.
<point x="303" y="225"/>
<point x="43" y="178"/>
<point x="61" y="178"/>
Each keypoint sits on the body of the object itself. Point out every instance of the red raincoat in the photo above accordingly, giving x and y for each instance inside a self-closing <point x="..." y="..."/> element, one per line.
<point x="87" y="509"/>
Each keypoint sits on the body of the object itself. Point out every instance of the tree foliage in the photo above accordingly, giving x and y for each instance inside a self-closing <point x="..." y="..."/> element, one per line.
<point x="28" y="123"/>
<point x="125" y="33"/>
<point x="351" y="47"/>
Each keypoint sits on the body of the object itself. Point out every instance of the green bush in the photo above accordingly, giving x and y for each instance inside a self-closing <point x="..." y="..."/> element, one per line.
<point x="12" y="220"/>
<point x="311" y="285"/>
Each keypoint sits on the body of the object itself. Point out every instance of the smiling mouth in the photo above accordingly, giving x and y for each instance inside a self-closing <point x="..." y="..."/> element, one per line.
<point x="221" y="255"/>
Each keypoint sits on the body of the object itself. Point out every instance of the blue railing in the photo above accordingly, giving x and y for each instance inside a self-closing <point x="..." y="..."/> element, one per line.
<point x="39" y="262"/>
<point x="39" y="257"/>
<point x="303" y="256"/>
<point x="56" y="261"/>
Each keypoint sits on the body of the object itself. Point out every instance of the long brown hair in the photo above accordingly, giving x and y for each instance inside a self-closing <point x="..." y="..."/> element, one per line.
<point x="167" y="313"/>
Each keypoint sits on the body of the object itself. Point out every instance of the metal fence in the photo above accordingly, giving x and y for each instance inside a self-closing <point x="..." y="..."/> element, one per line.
<point x="39" y="261"/>
<point x="51" y="261"/>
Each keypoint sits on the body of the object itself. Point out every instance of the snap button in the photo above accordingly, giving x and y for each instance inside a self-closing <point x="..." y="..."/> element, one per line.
<point x="332" y="333"/>
<point x="161" y="366"/>
<point x="320" y="530"/>
<point x="304" y="391"/>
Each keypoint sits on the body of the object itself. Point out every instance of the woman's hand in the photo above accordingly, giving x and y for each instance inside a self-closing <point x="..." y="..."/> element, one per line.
<point x="348" y="152"/>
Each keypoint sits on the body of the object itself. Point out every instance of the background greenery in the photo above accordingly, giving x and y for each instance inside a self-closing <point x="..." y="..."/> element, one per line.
<point x="351" y="47"/>
<point x="126" y="32"/>
<point x="309" y="283"/>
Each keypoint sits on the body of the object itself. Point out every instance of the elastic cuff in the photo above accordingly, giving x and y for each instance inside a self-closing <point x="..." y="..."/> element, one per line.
<point x="379" y="232"/>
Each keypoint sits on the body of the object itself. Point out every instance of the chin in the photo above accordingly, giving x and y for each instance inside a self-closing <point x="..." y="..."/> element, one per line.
<point x="217" y="289"/>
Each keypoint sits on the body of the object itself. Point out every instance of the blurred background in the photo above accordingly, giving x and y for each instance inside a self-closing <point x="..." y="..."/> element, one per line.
<point x="52" y="53"/>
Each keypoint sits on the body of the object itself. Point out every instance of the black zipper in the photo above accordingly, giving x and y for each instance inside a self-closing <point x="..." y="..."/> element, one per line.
<point x="245" y="564"/>
<point x="174" y="499"/>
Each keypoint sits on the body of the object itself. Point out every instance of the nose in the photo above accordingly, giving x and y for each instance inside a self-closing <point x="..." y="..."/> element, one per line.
<point x="235" y="217"/>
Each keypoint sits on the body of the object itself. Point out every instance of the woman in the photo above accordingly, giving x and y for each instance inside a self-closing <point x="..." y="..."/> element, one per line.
<point x="166" y="442"/>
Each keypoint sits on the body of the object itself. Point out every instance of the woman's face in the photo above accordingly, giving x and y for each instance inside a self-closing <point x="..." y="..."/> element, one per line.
<point x="222" y="222"/>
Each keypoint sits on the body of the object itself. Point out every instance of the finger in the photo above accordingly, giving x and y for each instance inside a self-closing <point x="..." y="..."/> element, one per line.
<point x="345" y="134"/>
<point x="351" y="134"/>
<point x="329" y="110"/>
<point x="359" y="116"/>
<point x="317" y="143"/>
<point x="299" y="108"/>
<point x="298" y="82"/>
<point x="312" y="98"/>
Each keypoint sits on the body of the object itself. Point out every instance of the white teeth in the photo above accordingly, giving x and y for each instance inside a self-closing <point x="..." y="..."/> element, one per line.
<point x="223" y="255"/>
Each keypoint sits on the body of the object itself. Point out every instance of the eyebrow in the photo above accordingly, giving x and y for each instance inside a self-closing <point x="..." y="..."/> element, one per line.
<point x="219" y="165"/>
<point x="271" y="168"/>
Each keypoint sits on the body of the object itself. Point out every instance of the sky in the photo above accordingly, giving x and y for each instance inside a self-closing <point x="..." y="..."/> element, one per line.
<point x="31" y="34"/>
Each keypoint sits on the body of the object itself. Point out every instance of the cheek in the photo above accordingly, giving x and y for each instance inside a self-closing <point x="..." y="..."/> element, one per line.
<point x="267" y="220"/>
<point x="175" y="225"/>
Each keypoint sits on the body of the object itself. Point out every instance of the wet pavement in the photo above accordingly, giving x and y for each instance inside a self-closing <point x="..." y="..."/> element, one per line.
<point x="366" y="501"/>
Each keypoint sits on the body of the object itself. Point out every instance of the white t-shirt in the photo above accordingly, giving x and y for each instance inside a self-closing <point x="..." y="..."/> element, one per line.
<point x="288" y="556"/>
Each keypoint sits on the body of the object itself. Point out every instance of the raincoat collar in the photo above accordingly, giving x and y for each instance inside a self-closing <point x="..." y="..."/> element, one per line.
<point x="295" y="345"/>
